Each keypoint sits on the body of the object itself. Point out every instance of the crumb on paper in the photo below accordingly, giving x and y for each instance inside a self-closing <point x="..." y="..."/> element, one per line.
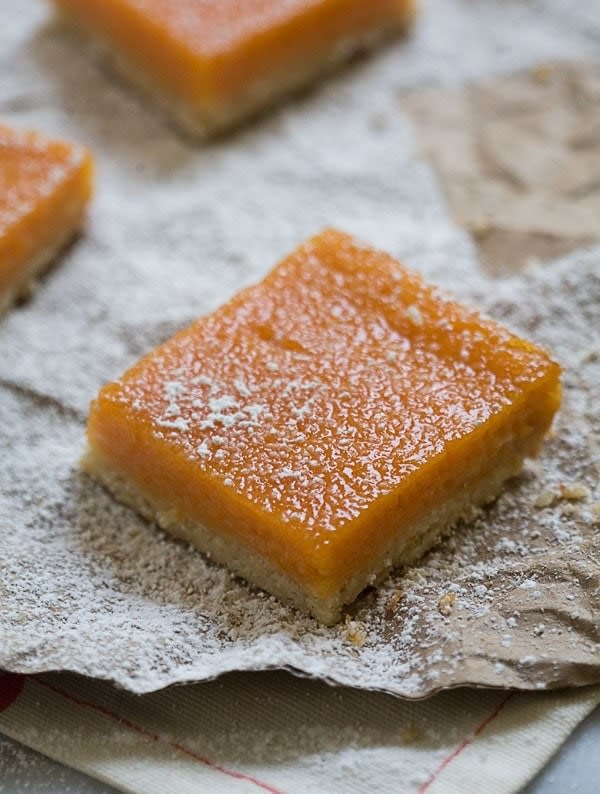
<point x="394" y="602"/>
<point x="539" y="630"/>
<point x="446" y="604"/>
<point x="574" y="492"/>
<point x="542" y="72"/>
<point x="354" y="632"/>
<point x="545" y="498"/>
<point x="569" y="510"/>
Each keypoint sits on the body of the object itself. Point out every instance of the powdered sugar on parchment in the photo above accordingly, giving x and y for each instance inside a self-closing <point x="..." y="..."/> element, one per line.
<point x="85" y="584"/>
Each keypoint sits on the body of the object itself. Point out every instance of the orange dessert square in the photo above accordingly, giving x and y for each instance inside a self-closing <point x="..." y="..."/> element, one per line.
<point x="212" y="63"/>
<point x="325" y="425"/>
<point x="44" y="188"/>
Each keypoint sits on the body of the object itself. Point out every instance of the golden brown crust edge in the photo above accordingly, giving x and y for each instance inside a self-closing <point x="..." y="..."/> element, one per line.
<point x="237" y="557"/>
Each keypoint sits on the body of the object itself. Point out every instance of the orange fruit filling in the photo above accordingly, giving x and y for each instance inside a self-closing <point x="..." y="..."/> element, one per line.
<point x="323" y="411"/>
<point x="44" y="187"/>
<point x="214" y="53"/>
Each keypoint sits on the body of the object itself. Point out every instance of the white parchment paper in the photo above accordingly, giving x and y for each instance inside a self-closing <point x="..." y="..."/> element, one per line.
<point x="174" y="230"/>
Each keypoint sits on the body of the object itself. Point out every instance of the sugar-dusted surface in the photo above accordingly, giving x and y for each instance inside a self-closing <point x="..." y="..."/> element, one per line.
<point x="44" y="189"/>
<point x="211" y="27"/>
<point x="84" y="583"/>
<point x="31" y="168"/>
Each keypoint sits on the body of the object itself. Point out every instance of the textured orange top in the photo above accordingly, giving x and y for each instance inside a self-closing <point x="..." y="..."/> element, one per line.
<point x="43" y="187"/>
<point x="209" y="50"/>
<point x="212" y="27"/>
<point x="311" y="404"/>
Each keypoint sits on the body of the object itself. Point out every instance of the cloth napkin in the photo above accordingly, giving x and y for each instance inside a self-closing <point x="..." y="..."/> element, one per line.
<point x="250" y="732"/>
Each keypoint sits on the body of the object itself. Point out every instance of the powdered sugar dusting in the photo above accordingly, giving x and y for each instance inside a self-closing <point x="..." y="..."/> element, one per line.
<point x="211" y="28"/>
<point x="338" y="405"/>
<point x="87" y="585"/>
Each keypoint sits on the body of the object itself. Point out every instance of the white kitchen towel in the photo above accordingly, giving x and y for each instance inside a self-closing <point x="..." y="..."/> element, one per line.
<point x="248" y="732"/>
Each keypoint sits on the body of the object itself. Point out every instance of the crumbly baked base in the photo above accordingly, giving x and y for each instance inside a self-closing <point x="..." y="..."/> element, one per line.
<point x="407" y="546"/>
<point x="25" y="285"/>
<point x="201" y="123"/>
